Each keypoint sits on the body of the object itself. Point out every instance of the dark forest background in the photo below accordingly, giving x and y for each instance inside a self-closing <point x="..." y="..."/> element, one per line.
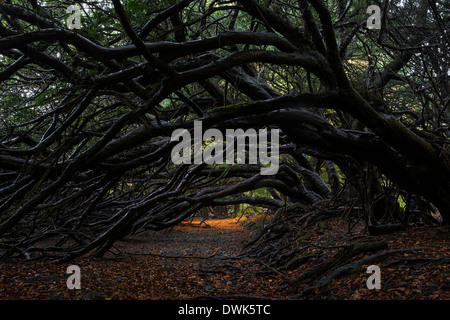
<point x="86" y="117"/>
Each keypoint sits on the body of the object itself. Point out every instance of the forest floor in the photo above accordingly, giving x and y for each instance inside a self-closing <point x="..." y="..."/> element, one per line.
<point x="204" y="261"/>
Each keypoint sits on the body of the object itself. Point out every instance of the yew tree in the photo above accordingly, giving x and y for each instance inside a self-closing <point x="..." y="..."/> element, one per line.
<point x="87" y="111"/>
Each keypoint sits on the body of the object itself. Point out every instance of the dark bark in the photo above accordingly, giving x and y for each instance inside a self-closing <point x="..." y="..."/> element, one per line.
<point x="91" y="159"/>
<point x="365" y="245"/>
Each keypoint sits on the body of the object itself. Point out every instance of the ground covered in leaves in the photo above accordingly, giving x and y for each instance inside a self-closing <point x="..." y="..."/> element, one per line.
<point x="203" y="261"/>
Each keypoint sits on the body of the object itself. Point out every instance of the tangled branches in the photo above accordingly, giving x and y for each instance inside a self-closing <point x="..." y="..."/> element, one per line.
<point x="87" y="115"/>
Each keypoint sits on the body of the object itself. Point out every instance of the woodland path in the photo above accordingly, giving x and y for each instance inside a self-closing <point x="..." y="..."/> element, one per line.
<point x="198" y="261"/>
<point x="190" y="261"/>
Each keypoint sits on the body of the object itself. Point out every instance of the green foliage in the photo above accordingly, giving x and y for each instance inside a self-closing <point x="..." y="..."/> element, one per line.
<point x="247" y="210"/>
<point x="357" y="269"/>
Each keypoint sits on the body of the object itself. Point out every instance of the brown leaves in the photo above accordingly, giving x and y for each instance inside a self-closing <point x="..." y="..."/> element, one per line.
<point x="124" y="275"/>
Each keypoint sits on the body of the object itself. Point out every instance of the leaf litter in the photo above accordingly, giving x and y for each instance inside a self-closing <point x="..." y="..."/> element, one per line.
<point x="202" y="260"/>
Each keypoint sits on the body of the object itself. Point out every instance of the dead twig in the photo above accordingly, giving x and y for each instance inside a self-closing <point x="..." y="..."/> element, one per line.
<point x="272" y="269"/>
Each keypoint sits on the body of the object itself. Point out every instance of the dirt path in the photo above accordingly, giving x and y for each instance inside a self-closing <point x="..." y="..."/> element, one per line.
<point x="194" y="261"/>
<point x="219" y="237"/>
<point x="189" y="261"/>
